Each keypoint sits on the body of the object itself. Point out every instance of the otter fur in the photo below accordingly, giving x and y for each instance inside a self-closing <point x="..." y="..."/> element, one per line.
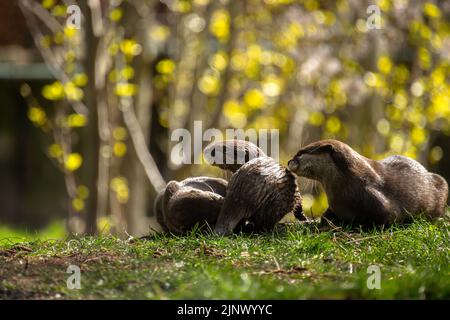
<point x="194" y="201"/>
<point x="365" y="192"/>
<point x="231" y="154"/>
<point x="260" y="192"/>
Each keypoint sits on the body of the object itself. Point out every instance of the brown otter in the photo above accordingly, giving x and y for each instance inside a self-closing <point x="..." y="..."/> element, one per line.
<point x="366" y="192"/>
<point x="231" y="154"/>
<point x="194" y="201"/>
<point x="260" y="192"/>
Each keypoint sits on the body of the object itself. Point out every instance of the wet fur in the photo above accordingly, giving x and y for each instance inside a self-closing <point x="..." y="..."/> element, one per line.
<point x="260" y="192"/>
<point x="254" y="208"/>
<point x="366" y="192"/>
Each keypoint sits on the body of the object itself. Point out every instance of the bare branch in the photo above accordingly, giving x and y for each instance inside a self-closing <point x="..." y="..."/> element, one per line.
<point x="137" y="136"/>
<point x="97" y="19"/>
<point x="50" y="59"/>
<point x="43" y="15"/>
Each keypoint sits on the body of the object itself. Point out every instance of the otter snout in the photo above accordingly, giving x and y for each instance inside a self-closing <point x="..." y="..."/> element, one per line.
<point x="293" y="165"/>
<point x="226" y="223"/>
<point x="221" y="231"/>
<point x="301" y="166"/>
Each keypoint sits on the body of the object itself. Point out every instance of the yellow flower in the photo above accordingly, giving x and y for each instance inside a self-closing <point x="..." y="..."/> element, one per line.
<point x="127" y="72"/>
<point x="316" y="118"/>
<point x="311" y="5"/>
<point x="220" y="24"/>
<point x="72" y="92"/>
<point x="70" y="32"/>
<point x="126" y="89"/>
<point x="78" y="204"/>
<point x="254" y="98"/>
<point x="80" y="79"/>
<point x="333" y="124"/>
<point x="120" y="187"/>
<point x="76" y="120"/>
<point x="119" y="149"/>
<point x="234" y="113"/>
<point x="296" y="30"/>
<point x="165" y="66"/>
<point x="73" y="161"/>
<point x="384" y="64"/>
<point x="431" y="10"/>
<point x="104" y="224"/>
<point x="47" y="4"/>
<point x="55" y="150"/>
<point x="59" y="11"/>
<point x="120" y="133"/>
<point x="219" y="61"/>
<point x="37" y="116"/>
<point x="130" y="47"/>
<point x="384" y="5"/>
<point x="54" y="91"/>
<point x="181" y="6"/>
<point x="209" y="83"/>
<point x="115" y="14"/>
<point x="159" y="33"/>
<point x="418" y="135"/>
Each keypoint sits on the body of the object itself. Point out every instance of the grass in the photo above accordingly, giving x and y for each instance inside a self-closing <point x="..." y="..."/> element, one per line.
<point x="55" y="230"/>
<point x="295" y="262"/>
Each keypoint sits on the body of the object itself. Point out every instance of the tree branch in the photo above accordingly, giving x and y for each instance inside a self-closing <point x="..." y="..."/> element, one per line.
<point x="140" y="146"/>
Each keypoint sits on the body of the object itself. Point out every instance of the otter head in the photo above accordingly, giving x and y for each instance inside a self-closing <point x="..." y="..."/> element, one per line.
<point x="231" y="220"/>
<point x="321" y="160"/>
<point x="231" y="154"/>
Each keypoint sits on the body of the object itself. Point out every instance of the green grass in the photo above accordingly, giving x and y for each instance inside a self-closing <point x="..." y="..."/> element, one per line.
<point x="54" y="230"/>
<point x="295" y="262"/>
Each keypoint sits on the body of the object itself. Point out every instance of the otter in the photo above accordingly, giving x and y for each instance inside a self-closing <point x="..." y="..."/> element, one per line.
<point x="194" y="201"/>
<point x="367" y="193"/>
<point x="260" y="192"/>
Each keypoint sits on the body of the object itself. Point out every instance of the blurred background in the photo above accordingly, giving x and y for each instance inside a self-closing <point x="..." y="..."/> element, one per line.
<point x="87" y="113"/>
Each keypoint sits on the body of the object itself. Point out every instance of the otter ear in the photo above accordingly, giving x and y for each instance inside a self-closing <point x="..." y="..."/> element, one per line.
<point x="338" y="158"/>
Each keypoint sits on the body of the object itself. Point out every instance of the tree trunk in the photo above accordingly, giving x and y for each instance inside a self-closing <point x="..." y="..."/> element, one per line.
<point x="136" y="218"/>
<point x="91" y="135"/>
